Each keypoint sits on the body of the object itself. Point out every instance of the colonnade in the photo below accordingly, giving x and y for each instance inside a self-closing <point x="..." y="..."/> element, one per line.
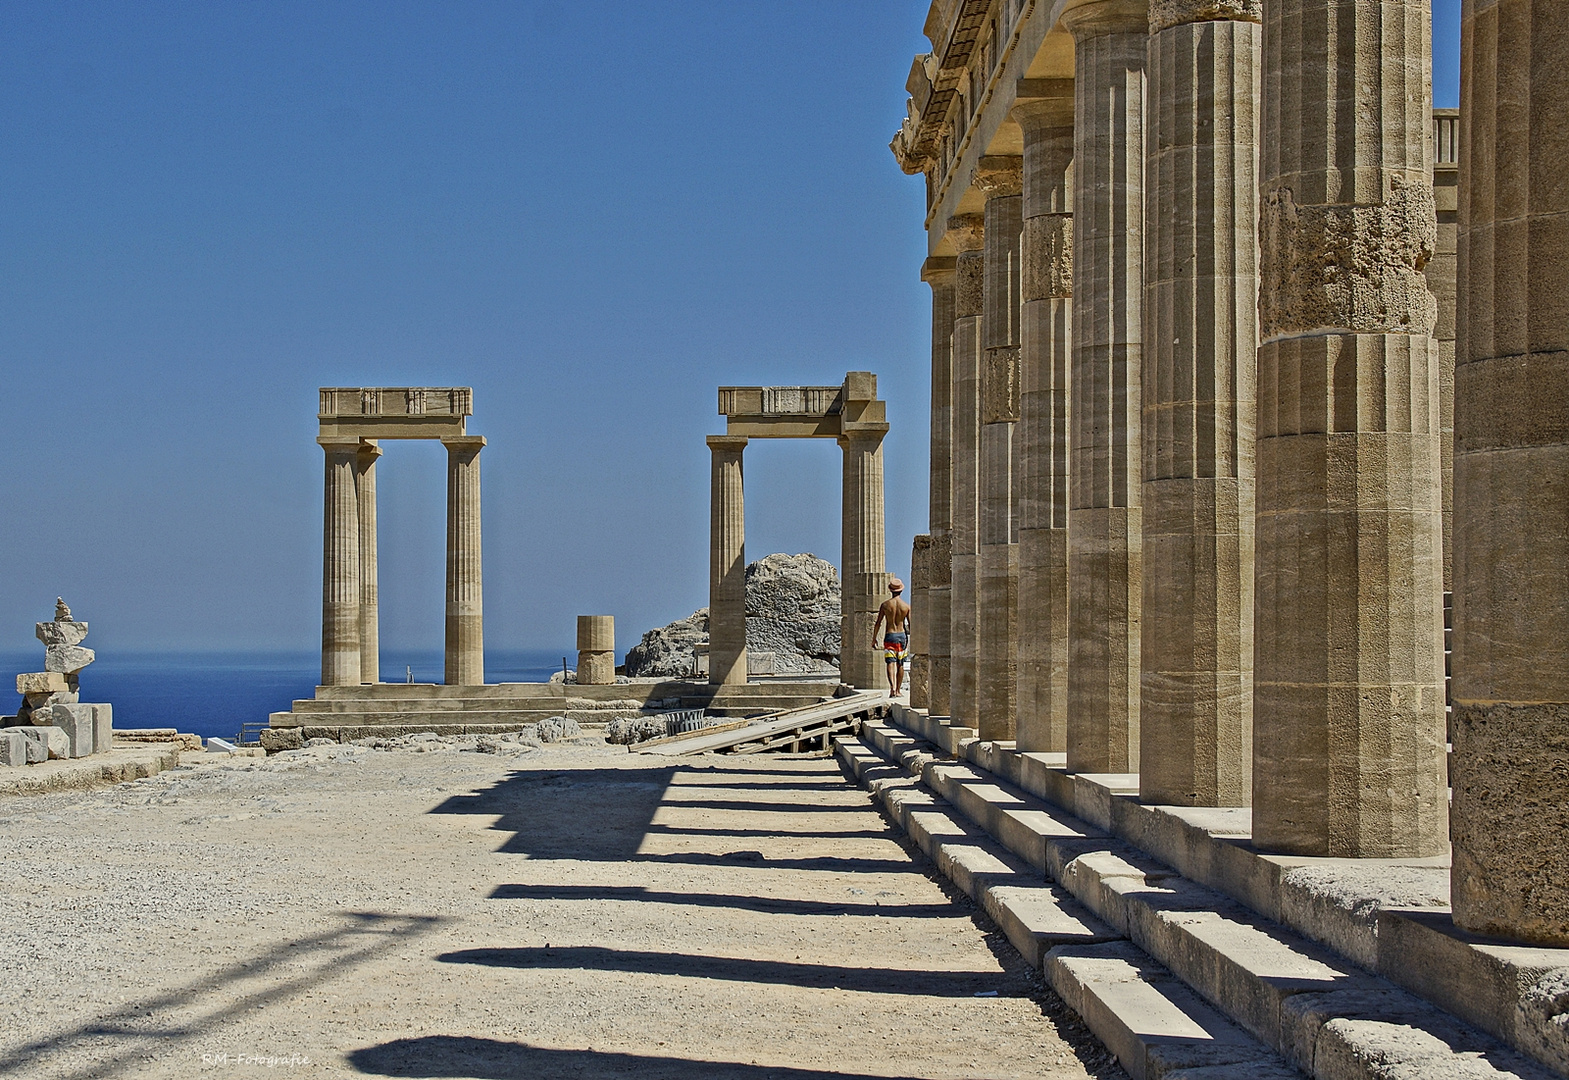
<point x="1189" y="417"/>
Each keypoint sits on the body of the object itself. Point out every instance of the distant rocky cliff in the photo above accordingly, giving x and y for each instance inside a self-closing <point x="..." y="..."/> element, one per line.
<point x="792" y="615"/>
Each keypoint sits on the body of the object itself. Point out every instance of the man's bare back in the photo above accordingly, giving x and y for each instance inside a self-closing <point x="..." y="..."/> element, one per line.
<point x="893" y="614"/>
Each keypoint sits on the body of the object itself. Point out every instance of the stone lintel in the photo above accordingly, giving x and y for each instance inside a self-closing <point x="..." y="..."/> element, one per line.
<point x="393" y="412"/>
<point x="803" y="412"/>
<point x="1030" y="89"/>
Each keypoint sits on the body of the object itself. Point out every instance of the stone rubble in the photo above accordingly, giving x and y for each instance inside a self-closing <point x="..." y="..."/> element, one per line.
<point x="53" y="721"/>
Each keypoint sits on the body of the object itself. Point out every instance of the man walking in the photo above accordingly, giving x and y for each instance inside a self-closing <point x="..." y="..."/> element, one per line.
<point x="894" y="617"/>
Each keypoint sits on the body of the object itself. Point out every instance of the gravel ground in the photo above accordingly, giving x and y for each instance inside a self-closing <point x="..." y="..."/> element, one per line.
<point x="571" y="910"/>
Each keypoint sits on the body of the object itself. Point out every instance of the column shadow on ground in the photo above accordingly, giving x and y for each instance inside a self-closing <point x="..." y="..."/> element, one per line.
<point x="767" y="905"/>
<point x="442" y="1056"/>
<point x="943" y="984"/>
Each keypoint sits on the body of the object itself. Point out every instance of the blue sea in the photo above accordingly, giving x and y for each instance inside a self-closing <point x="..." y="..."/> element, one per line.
<point x="212" y="694"/>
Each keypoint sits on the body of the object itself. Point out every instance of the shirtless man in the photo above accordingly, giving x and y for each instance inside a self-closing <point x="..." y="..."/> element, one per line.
<point x="894" y="615"/>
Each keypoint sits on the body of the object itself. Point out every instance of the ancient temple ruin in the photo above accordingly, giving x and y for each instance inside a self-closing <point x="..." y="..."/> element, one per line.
<point x="354" y="421"/>
<point x="1244" y="360"/>
<point x="850" y="414"/>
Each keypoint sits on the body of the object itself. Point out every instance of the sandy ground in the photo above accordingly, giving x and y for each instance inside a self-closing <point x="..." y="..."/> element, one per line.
<point x="575" y="911"/>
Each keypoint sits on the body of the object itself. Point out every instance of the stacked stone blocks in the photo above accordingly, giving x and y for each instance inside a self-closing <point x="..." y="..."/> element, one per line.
<point x="52" y="721"/>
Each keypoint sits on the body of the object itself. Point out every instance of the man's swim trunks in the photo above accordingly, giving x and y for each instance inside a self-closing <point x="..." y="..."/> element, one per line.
<point x="894" y="646"/>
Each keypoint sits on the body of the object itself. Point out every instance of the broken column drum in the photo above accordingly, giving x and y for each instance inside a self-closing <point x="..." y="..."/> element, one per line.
<point x="596" y="650"/>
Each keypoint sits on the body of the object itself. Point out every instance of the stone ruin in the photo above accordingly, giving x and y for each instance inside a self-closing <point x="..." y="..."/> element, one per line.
<point x="52" y="721"/>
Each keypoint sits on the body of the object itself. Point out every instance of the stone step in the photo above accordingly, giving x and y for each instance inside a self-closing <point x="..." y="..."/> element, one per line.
<point x="1279" y="986"/>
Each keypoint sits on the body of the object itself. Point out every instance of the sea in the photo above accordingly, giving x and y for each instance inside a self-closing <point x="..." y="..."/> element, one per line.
<point x="212" y="694"/>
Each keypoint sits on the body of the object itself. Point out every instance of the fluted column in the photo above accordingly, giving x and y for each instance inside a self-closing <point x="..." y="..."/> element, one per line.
<point x="1510" y="766"/>
<point x="864" y="555"/>
<point x="932" y="619"/>
<point x="727" y="563"/>
<point x="1348" y="746"/>
<point x="967" y="233"/>
<point x="1104" y="519"/>
<point x="1045" y="344"/>
<point x="365" y="499"/>
<point x="340" y="573"/>
<point x="1200" y="363"/>
<point x="465" y="660"/>
<point x="997" y="666"/>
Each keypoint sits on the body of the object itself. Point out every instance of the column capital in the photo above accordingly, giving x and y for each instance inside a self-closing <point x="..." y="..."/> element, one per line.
<point x="967" y="232"/>
<point x="939" y="269"/>
<point x="872" y="433"/>
<point x="1096" y="17"/>
<point x="338" y="445"/>
<point x="369" y="448"/>
<point x="1164" y="14"/>
<point x="1000" y="176"/>
<point x="464" y="442"/>
<point x="733" y="443"/>
<point x="1044" y="111"/>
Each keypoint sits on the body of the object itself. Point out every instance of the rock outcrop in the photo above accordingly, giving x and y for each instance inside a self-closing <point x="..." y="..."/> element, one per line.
<point x="792" y="623"/>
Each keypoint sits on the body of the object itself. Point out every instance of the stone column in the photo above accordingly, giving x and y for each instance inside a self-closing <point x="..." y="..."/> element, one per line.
<point x="933" y="623"/>
<point x="596" y="650"/>
<point x="465" y="662"/>
<point x="1104" y="521"/>
<point x="1200" y="363"/>
<point x="726" y="563"/>
<point x="997" y="665"/>
<point x="1348" y="736"/>
<point x="920" y="636"/>
<point x="340" y="573"/>
<point x="1510" y="767"/>
<point x="365" y="498"/>
<point x="864" y="556"/>
<point x="967" y="232"/>
<point x="1045" y="343"/>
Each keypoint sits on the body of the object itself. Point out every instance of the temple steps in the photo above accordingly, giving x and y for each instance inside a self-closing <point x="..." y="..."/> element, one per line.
<point x="1172" y="975"/>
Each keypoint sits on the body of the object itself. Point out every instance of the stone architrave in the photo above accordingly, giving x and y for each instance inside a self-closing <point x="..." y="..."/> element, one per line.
<point x="465" y="645"/>
<point x="1045" y="346"/>
<point x="1510" y="765"/>
<point x="727" y="563"/>
<point x="1000" y="178"/>
<point x="370" y="618"/>
<point x="340" y="576"/>
<point x="1348" y="746"/>
<point x="1200" y="363"/>
<point x="933" y="623"/>
<point x="967" y="233"/>
<point x="1105" y="526"/>
<point x="596" y="650"/>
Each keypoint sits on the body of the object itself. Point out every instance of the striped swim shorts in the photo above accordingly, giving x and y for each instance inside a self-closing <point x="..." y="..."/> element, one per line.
<point x="894" y="646"/>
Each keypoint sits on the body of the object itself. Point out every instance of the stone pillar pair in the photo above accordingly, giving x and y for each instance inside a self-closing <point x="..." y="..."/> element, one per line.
<point x="350" y="650"/>
<point x="1510" y="766"/>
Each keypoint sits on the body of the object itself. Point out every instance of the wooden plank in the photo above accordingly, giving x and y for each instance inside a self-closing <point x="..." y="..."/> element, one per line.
<point x="665" y="740"/>
<point x="788" y="721"/>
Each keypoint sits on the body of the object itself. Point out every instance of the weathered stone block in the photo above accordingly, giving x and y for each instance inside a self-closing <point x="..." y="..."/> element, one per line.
<point x="596" y="668"/>
<point x="45" y="743"/>
<point x="62" y="633"/>
<point x="275" y="739"/>
<point x="66" y="659"/>
<point x="76" y="721"/>
<point x="58" y="697"/>
<point x="13" y="748"/>
<point x="103" y="728"/>
<point x="41" y="682"/>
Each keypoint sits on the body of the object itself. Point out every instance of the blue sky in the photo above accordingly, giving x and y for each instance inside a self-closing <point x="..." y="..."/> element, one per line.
<point x="593" y="214"/>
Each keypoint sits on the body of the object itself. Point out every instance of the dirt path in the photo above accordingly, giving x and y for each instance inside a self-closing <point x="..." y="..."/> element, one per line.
<point x="576" y="911"/>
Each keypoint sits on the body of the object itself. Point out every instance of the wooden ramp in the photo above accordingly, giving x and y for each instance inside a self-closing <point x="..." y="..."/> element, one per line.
<point x="782" y="729"/>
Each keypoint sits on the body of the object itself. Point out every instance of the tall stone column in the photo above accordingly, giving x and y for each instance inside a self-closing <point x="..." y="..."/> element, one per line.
<point x="920" y="635"/>
<point x="1000" y="178"/>
<point x="1200" y="363"/>
<point x="465" y="660"/>
<point x="967" y="232"/>
<point x="933" y="623"/>
<point x="365" y="498"/>
<point x="864" y="555"/>
<point x="1510" y="766"/>
<point x="726" y="563"/>
<point x="1348" y="737"/>
<point x="1104" y="519"/>
<point x="1045" y="344"/>
<point x="340" y="572"/>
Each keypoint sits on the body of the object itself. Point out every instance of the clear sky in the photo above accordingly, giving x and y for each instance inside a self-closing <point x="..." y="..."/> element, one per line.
<point x="592" y="214"/>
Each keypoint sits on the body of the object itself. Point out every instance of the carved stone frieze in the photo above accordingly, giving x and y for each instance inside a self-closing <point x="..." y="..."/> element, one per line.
<point x="1048" y="257"/>
<point x="1000" y="386"/>
<point x="1345" y="267"/>
<point x="1168" y="13"/>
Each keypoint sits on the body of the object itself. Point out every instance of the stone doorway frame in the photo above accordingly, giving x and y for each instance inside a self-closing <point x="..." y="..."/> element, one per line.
<point x="353" y="421"/>
<point x="850" y="414"/>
